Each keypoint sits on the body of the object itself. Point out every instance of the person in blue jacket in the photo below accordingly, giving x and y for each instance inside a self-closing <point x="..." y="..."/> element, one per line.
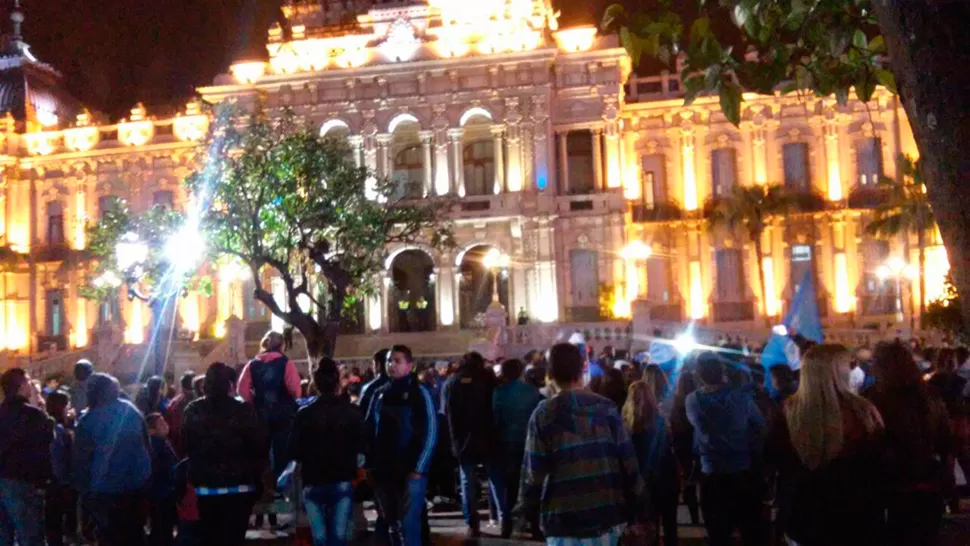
<point x="112" y="463"/>
<point x="401" y="429"/>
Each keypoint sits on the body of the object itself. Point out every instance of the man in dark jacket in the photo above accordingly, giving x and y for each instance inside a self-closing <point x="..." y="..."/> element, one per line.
<point x="112" y="463"/>
<point x="468" y="408"/>
<point x="380" y="379"/>
<point x="227" y="452"/>
<point x="401" y="430"/>
<point x="25" y="462"/>
<point x="328" y="434"/>
<point x="512" y="405"/>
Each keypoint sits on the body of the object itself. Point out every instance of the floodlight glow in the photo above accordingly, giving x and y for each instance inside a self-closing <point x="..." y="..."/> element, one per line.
<point x="130" y="251"/>
<point x="685" y="343"/>
<point x="494" y="258"/>
<point x="185" y="249"/>
<point x="636" y="250"/>
<point x="883" y="272"/>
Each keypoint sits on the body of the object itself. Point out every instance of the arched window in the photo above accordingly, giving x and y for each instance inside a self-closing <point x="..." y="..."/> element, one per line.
<point x="408" y="173"/>
<point x="479" y="160"/>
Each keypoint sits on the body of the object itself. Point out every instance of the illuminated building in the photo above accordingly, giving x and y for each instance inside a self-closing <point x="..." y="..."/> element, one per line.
<point x="557" y="158"/>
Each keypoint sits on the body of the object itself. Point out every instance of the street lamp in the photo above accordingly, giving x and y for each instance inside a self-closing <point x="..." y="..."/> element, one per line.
<point x="495" y="260"/>
<point x="181" y="252"/>
<point x="897" y="269"/>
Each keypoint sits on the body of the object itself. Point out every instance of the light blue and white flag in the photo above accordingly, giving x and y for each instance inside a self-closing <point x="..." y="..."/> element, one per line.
<point x="803" y="319"/>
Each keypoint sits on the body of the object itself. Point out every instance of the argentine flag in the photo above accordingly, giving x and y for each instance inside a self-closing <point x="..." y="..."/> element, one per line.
<point x="802" y="318"/>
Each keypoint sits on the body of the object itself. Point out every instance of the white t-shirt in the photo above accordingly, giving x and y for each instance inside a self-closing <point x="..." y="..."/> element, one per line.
<point x="856" y="379"/>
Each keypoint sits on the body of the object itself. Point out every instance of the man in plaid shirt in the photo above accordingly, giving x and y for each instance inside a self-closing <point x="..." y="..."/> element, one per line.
<point x="579" y="465"/>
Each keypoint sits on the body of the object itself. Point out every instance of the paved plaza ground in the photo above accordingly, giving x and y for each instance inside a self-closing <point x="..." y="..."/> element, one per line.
<point x="448" y="529"/>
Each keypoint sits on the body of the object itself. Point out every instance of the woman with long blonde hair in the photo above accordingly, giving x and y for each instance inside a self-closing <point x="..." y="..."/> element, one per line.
<point x="653" y="444"/>
<point x="828" y="445"/>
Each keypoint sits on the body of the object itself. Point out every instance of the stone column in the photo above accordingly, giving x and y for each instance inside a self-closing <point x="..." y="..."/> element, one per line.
<point x="498" y="160"/>
<point x="514" y="144"/>
<point x="356" y="143"/>
<point x="597" y="136"/>
<point x="426" y="137"/>
<point x="370" y="161"/>
<point x="454" y="136"/>
<point x="612" y="134"/>
<point x="445" y="303"/>
<point x="385" y="302"/>
<point x="384" y="146"/>
<point x="834" y="175"/>
<point x="442" y="180"/>
<point x="563" y="165"/>
<point x="541" y="143"/>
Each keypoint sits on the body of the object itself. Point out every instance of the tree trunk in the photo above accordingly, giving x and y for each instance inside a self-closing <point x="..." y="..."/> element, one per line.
<point x="921" y="247"/>
<point x="321" y="340"/>
<point x="761" y="276"/>
<point x="929" y="46"/>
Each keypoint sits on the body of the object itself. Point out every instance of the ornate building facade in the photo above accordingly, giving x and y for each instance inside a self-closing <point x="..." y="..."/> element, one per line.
<point x="555" y="157"/>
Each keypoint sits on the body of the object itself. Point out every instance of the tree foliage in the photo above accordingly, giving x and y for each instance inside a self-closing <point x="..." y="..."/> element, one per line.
<point x="286" y="203"/>
<point x="291" y="204"/>
<point x="153" y="227"/>
<point x="824" y="46"/>
<point x="750" y="209"/>
<point x="907" y="208"/>
<point x="946" y="313"/>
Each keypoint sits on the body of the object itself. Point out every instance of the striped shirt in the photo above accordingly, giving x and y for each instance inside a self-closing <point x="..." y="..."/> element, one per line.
<point x="580" y="467"/>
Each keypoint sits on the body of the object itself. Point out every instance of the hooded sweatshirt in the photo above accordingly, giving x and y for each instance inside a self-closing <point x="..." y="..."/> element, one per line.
<point x="725" y="422"/>
<point x="111" y="449"/>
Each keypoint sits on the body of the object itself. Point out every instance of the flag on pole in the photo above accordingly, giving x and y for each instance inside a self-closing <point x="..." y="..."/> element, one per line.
<point x="803" y="319"/>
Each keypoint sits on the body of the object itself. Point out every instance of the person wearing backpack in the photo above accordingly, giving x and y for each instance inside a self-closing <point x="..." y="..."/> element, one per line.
<point x="468" y="410"/>
<point x="272" y="384"/>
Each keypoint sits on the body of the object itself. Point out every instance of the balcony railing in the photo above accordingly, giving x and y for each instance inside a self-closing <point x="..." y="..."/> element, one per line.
<point x="657" y="212"/>
<point x="733" y="311"/>
<point x="583" y="314"/>
<point x="867" y="197"/>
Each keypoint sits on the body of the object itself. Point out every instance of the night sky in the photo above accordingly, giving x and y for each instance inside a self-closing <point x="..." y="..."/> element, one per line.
<point x="115" y="53"/>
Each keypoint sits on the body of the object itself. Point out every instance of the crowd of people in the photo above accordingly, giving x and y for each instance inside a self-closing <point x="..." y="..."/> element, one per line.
<point x="853" y="447"/>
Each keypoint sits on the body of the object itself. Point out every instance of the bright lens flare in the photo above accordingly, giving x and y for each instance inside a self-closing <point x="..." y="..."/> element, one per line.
<point x="184" y="249"/>
<point x="685" y="343"/>
<point x="130" y="251"/>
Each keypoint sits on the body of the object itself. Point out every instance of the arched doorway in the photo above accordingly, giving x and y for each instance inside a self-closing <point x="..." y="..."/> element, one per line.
<point x="411" y="301"/>
<point x="477" y="286"/>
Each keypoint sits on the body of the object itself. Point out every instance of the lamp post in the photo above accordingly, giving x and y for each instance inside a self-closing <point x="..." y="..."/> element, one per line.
<point x="495" y="261"/>
<point x="181" y="253"/>
<point x="897" y="269"/>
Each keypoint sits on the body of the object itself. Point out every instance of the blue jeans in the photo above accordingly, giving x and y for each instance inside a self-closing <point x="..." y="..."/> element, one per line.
<point x="330" y="509"/>
<point x="401" y="510"/>
<point x="471" y="491"/>
<point x="21" y="514"/>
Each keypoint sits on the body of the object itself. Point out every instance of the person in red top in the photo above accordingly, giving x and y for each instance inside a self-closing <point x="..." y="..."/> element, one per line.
<point x="175" y="410"/>
<point x="271" y="383"/>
